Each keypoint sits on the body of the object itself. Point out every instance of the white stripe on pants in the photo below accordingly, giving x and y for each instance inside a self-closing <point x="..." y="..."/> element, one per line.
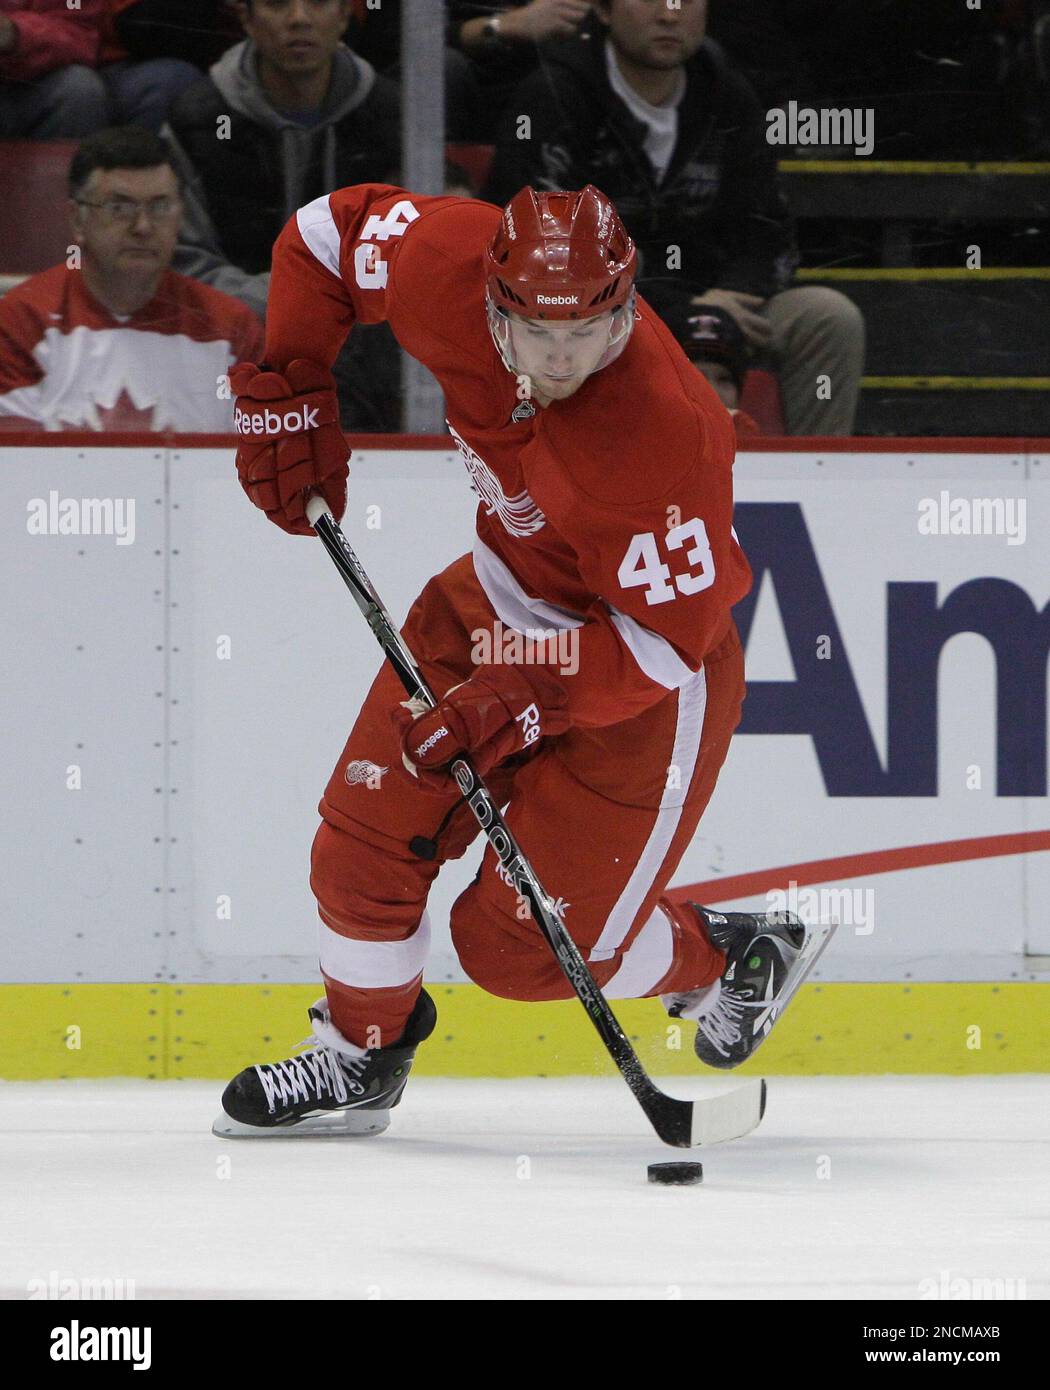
<point x="374" y="964"/>
<point x="692" y="704"/>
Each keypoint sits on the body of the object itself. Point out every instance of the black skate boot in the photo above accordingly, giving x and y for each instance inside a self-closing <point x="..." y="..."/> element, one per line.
<point x="334" y="1088"/>
<point x="768" y="955"/>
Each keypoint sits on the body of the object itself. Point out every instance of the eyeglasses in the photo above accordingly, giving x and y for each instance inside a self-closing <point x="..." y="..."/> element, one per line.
<point x="126" y="210"/>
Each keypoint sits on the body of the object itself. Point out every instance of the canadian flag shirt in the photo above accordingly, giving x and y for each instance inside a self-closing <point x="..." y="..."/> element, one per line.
<point x="67" y="363"/>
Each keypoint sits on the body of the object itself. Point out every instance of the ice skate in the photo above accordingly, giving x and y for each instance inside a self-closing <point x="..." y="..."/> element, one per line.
<point x="334" y="1088"/>
<point x="768" y="955"/>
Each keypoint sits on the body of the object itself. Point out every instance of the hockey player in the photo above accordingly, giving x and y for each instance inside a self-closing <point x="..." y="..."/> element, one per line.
<point x="603" y="462"/>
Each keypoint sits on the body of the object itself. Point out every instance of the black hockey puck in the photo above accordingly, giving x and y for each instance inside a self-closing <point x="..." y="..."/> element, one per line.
<point x="676" y="1174"/>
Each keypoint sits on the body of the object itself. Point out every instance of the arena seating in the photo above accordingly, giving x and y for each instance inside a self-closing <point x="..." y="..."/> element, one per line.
<point x="951" y="349"/>
<point x="34" y="228"/>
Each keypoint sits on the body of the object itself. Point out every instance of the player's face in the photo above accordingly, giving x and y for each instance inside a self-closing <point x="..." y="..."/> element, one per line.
<point x="297" y="36"/>
<point x="558" y="355"/>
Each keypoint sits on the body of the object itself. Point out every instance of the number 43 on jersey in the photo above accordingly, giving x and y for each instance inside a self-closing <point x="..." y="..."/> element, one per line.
<point x="642" y="563"/>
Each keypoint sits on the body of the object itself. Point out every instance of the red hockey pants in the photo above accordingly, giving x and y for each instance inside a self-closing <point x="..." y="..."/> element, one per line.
<point x="604" y="816"/>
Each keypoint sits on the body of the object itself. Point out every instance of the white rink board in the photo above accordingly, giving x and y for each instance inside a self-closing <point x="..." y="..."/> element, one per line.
<point x="82" y="627"/>
<point x="250" y="741"/>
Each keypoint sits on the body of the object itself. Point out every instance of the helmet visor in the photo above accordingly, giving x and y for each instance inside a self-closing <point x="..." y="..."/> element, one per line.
<point x="558" y="354"/>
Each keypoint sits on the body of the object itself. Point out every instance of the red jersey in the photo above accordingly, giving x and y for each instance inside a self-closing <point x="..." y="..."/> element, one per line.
<point x="609" y="512"/>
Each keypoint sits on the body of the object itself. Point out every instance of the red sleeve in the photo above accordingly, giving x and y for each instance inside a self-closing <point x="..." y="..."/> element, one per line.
<point x="50" y="36"/>
<point x="647" y="505"/>
<point x="332" y="266"/>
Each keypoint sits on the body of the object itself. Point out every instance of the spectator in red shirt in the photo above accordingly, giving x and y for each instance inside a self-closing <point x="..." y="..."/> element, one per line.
<point x="114" y="339"/>
<point x="63" y="73"/>
<point x="48" y="87"/>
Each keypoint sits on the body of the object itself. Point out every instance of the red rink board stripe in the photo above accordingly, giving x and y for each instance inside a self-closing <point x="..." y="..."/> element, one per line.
<point x="881" y="861"/>
<point x="794" y="444"/>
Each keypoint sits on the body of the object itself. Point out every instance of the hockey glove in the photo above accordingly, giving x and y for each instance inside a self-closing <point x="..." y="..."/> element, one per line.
<point x="492" y="716"/>
<point x="291" y="441"/>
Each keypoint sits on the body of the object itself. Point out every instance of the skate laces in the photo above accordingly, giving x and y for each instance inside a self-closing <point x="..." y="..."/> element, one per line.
<point x="721" y="1025"/>
<point x="310" y="1077"/>
<point x="717" y="1010"/>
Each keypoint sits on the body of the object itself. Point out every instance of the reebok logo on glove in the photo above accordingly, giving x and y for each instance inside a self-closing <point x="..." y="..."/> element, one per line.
<point x="428" y="743"/>
<point x="270" y="422"/>
<point x="529" y="719"/>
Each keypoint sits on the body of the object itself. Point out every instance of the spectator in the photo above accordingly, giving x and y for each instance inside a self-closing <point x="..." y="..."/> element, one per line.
<point x="375" y="34"/>
<point x="162" y="29"/>
<point x="285" y="116"/>
<point x="710" y="337"/>
<point x="64" y="73"/>
<point x="122" y="342"/>
<point x="141" y="84"/>
<point x="503" y="42"/>
<point x="49" y="89"/>
<point x="642" y="107"/>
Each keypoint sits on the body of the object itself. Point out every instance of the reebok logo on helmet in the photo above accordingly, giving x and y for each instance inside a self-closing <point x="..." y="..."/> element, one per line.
<point x="270" y="422"/>
<point x="557" y="299"/>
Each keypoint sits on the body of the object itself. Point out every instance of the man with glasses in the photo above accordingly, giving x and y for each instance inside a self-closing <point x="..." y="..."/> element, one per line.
<point x="113" y="339"/>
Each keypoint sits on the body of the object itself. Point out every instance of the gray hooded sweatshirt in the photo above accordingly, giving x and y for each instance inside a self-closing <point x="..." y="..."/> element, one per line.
<point x="199" y="252"/>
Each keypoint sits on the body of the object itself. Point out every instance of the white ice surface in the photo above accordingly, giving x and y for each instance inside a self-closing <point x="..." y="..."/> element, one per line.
<point x="532" y="1189"/>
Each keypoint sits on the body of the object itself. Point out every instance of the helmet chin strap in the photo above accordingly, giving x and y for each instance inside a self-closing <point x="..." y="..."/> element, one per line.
<point x="499" y="328"/>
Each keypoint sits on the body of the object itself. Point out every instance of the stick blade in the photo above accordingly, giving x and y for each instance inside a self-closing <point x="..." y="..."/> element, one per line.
<point x="729" y="1114"/>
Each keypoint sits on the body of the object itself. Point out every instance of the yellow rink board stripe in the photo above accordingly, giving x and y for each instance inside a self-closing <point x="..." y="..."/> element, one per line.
<point x="956" y="383"/>
<point x="919" y="273"/>
<point x="212" y="1031"/>
<point x="1031" y="169"/>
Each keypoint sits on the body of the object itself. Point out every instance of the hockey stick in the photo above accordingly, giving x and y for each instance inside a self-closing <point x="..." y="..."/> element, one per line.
<point x="679" y="1123"/>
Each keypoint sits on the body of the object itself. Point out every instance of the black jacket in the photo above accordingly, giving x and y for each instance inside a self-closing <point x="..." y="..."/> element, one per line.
<point x="241" y="184"/>
<point x="719" y="200"/>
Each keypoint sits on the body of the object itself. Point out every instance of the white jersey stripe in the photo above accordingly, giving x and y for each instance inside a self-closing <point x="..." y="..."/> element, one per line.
<point x="653" y="653"/>
<point x="317" y="228"/>
<point x="374" y="964"/>
<point x="692" y="704"/>
<point x="518" y="610"/>
<point x="646" y="961"/>
<point x="514" y="607"/>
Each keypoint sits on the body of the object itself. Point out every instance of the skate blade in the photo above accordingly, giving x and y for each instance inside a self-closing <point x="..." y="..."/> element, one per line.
<point x="817" y="939"/>
<point x="336" y="1124"/>
<point x="812" y="949"/>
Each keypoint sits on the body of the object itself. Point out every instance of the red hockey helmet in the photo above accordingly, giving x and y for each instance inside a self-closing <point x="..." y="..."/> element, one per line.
<point x="560" y="256"/>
